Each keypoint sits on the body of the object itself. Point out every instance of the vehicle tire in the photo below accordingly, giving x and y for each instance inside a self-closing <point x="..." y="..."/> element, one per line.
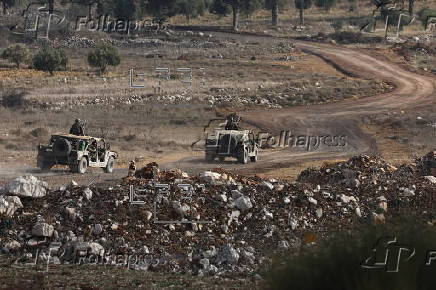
<point x="62" y="147"/>
<point x="82" y="166"/>
<point x="221" y="158"/>
<point x="110" y="165"/>
<point x="243" y="156"/>
<point x="254" y="158"/>
<point x="44" y="165"/>
<point x="210" y="157"/>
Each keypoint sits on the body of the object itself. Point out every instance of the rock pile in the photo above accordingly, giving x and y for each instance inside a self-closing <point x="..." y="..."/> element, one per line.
<point x="210" y="224"/>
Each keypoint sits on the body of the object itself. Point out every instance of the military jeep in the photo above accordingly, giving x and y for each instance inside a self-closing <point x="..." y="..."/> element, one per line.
<point x="78" y="152"/>
<point x="240" y="144"/>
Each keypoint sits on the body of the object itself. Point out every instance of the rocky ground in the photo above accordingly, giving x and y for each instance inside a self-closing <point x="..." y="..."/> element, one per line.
<point x="215" y="223"/>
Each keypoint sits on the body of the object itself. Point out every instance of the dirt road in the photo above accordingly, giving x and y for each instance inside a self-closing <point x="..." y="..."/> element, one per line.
<point x="333" y="119"/>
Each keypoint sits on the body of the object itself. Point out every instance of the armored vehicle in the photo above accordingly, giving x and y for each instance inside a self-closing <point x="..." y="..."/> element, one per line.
<point x="78" y="152"/>
<point x="240" y="144"/>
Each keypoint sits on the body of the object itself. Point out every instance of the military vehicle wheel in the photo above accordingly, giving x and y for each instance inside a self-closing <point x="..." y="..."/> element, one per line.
<point x="110" y="165"/>
<point x="82" y="166"/>
<point x="210" y="157"/>
<point x="44" y="165"/>
<point x="243" y="156"/>
<point x="254" y="158"/>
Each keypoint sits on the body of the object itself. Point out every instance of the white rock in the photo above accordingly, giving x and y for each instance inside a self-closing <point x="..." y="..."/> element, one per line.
<point x="383" y="205"/>
<point x="228" y="254"/>
<point x="42" y="230"/>
<point x="87" y="193"/>
<point x="27" y="186"/>
<point x="180" y="209"/>
<point x="148" y="215"/>
<point x="407" y="192"/>
<point x="236" y="194"/>
<point x="430" y="178"/>
<point x="222" y="197"/>
<point x="286" y="200"/>
<point x="267" y="185"/>
<point x="319" y="212"/>
<point x="204" y="262"/>
<point x="210" y="177"/>
<point x="73" y="183"/>
<point x="13" y="245"/>
<point x="243" y="203"/>
<point x="97" y="229"/>
<point x="267" y="214"/>
<point x="326" y="194"/>
<point x="9" y="204"/>
<point x="344" y="198"/>
<point x="312" y="200"/>
<point x="358" y="213"/>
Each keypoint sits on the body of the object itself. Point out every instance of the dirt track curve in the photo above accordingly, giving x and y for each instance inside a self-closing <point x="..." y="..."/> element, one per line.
<point x="335" y="119"/>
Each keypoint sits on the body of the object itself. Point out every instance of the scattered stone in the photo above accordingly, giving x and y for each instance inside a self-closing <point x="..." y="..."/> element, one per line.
<point x="27" y="186"/>
<point x="9" y="205"/>
<point x="243" y="203"/>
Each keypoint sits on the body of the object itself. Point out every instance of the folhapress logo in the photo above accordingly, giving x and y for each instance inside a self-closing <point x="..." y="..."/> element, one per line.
<point x="388" y="254"/>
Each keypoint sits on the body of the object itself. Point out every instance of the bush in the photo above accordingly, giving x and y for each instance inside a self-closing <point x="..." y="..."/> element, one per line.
<point x="16" y="53"/>
<point x="50" y="59"/>
<point x="13" y="99"/>
<point x="306" y="4"/>
<point x="325" y="4"/>
<point x="102" y="56"/>
<point x="336" y="262"/>
<point x="337" y="25"/>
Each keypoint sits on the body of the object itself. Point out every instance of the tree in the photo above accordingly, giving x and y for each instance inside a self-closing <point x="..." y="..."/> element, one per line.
<point x="50" y="59"/>
<point x="125" y="10"/>
<point x="103" y="56"/>
<point x="325" y="4"/>
<point x="16" y="53"/>
<point x="237" y="6"/>
<point x="220" y="8"/>
<point x="191" y="8"/>
<point x="162" y="9"/>
<point x="275" y="6"/>
<point x="7" y="4"/>
<point x="302" y="5"/>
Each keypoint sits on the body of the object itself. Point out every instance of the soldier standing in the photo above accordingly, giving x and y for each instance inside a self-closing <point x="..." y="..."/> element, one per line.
<point x="132" y="169"/>
<point x="77" y="128"/>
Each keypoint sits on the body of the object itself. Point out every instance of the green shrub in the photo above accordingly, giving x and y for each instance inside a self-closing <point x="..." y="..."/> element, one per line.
<point x="12" y="98"/>
<point x="336" y="263"/>
<point x="103" y="56"/>
<point x="50" y="59"/>
<point x="325" y="4"/>
<point x="425" y="14"/>
<point x="16" y="53"/>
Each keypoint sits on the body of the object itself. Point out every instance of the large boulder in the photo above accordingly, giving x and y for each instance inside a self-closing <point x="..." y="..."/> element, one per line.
<point x="210" y="177"/>
<point x="27" y="186"/>
<point x="228" y="255"/>
<point x="9" y="204"/>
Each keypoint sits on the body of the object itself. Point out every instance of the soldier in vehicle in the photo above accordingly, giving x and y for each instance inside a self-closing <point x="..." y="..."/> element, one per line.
<point x="77" y="128"/>
<point x="232" y="122"/>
